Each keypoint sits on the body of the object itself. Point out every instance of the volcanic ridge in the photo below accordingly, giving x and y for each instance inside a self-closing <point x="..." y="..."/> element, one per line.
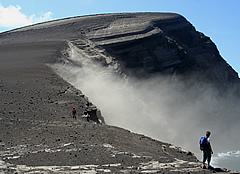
<point x="38" y="134"/>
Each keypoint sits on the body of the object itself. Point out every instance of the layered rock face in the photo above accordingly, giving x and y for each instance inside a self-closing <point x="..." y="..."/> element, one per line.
<point x="163" y="43"/>
<point x="141" y="42"/>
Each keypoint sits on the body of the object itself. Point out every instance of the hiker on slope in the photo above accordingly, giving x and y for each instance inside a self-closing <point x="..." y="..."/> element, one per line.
<point x="88" y="117"/>
<point x="205" y="146"/>
<point x="74" y="113"/>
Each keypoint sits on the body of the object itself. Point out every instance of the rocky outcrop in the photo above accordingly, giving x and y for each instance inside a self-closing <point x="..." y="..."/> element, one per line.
<point x="165" y="43"/>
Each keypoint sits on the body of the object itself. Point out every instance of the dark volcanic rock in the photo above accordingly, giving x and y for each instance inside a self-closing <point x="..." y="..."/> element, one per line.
<point x="38" y="134"/>
<point x="166" y="44"/>
<point x="144" y="42"/>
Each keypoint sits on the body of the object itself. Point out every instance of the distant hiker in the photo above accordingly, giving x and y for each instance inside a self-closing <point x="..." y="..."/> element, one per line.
<point x="205" y="146"/>
<point x="88" y="117"/>
<point x="74" y="113"/>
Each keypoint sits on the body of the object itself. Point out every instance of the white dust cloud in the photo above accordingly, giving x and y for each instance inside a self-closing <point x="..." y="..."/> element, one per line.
<point x="163" y="108"/>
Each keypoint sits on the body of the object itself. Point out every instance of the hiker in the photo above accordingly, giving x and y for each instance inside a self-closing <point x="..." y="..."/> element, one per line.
<point x="205" y="146"/>
<point x="74" y="113"/>
<point x="88" y="117"/>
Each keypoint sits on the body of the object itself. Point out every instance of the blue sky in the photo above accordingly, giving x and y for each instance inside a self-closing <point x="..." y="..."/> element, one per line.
<point x="218" y="19"/>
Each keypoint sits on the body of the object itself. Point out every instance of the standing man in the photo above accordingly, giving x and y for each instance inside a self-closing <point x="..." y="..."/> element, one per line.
<point x="74" y="113"/>
<point x="205" y="146"/>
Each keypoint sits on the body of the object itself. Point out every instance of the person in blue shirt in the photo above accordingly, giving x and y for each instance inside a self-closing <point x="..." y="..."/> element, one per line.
<point x="207" y="151"/>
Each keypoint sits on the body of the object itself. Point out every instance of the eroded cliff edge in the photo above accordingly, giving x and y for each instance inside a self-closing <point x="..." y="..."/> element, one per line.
<point x="142" y="42"/>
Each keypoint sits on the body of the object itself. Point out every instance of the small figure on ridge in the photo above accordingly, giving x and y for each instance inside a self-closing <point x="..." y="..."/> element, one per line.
<point x="88" y="117"/>
<point x="74" y="113"/>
